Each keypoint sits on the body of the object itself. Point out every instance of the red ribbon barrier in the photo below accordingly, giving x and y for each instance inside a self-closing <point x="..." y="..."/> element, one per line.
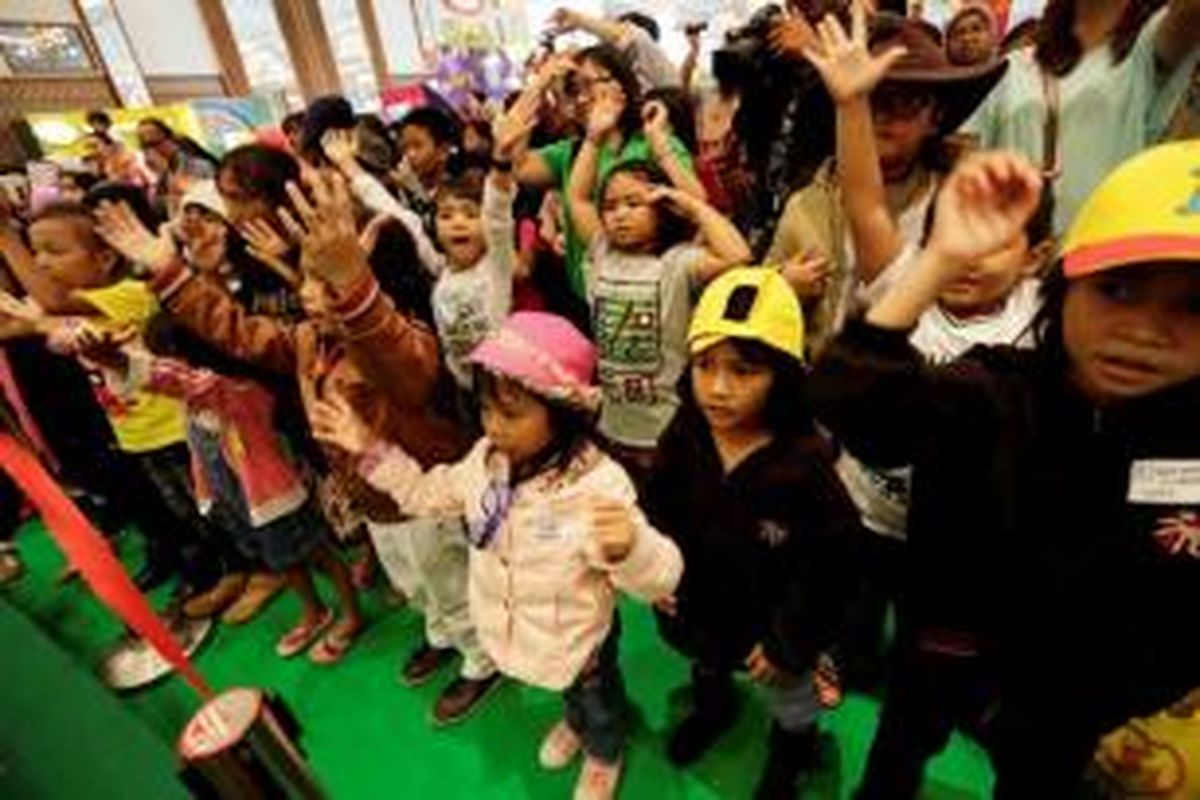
<point x="87" y="550"/>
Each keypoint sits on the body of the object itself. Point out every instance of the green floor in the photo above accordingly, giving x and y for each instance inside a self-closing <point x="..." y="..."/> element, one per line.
<point x="369" y="737"/>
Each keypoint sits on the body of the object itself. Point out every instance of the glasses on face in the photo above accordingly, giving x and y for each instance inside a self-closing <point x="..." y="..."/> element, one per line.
<point x="495" y="503"/>
<point x="899" y="104"/>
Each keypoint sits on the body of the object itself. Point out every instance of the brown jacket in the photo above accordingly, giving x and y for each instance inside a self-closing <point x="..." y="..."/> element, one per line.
<point x="399" y="352"/>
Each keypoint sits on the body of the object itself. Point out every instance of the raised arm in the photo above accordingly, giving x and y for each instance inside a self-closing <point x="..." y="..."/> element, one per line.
<point x="201" y="306"/>
<point x="342" y="149"/>
<point x="724" y="246"/>
<point x="581" y="192"/>
<point x="1179" y="35"/>
<point x="850" y="73"/>
<point x="656" y="123"/>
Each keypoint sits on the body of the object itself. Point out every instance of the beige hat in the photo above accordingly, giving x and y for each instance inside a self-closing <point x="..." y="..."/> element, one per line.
<point x="204" y="194"/>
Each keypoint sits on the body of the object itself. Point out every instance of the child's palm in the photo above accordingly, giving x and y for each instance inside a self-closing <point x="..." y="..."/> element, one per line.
<point x="984" y="206"/>
<point x="126" y="234"/>
<point x="845" y="61"/>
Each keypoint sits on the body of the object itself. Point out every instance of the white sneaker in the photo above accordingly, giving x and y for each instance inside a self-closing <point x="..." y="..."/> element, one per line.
<point x="560" y="747"/>
<point x="598" y="780"/>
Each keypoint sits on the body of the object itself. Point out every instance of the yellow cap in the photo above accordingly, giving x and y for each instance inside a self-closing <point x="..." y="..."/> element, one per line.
<point x="1148" y="209"/>
<point x="753" y="303"/>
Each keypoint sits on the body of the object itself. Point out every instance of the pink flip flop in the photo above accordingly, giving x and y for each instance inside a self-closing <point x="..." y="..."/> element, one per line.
<point x="300" y="637"/>
<point x="332" y="647"/>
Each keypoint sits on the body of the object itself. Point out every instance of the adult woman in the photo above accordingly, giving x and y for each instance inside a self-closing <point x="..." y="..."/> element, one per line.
<point x="595" y="72"/>
<point x="1100" y="85"/>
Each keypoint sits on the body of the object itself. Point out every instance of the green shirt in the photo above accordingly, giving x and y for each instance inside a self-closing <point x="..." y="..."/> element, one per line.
<point x="559" y="158"/>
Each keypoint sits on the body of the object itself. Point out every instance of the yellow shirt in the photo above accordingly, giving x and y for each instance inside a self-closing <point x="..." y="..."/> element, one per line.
<point x="143" y="421"/>
<point x="1158" y="757"/>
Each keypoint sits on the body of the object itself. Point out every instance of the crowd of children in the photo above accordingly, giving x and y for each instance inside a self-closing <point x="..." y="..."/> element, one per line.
<point x="527" y="363"/>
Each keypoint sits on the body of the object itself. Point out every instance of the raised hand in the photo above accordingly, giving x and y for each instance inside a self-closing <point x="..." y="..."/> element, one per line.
<point x="117" y="225"/>
<point x="613" y="530"/>
<point x="656" y="121"/>
<point x="335" y="423"/>
<point x="763" y="670"/>
<point x="513" y="129"/>
<point x="341" y="148"/>
<point x="606" y="112"/>
<point x="808" y="274"/>
<point x="325" y="229"/>
<point x="563" y="20"/>
<point x="845" y="63"/>
<point x="792" y="36"/>
<point x="269" y="248"/>
<point x="983" y="206"/>
<point x="104" y="347"/>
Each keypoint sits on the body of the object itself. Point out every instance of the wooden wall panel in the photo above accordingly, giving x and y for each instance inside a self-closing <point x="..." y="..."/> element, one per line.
<point x="21" y="96"/>
<point x="177" y="88"/>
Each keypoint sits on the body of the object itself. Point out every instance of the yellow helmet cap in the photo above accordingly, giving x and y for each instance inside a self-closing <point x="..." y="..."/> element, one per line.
<point x="753" y="303"/>
<point x="1146" y="210"/>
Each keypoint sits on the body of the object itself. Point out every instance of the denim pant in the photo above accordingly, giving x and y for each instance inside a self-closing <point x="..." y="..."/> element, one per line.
<point x="795" y="707"/>
<point x="596" y="704"/>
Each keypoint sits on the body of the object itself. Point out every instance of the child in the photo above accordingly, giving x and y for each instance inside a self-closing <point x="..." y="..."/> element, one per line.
<point x="746" y="488"/>
<point x="995" y="302"/>
<point x="351" y="330"/>
<point x="917" y="102"/>
<point x="554" y="526"/>
<point x="1055" y="480"/>
<point x="427" y="139"/>
<point x="642" y="272"/>
<point x="72" y="271"/>
<point x="245" y="478"/>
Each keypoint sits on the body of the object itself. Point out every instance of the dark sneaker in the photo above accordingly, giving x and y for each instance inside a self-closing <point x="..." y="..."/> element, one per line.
<point x="697" y="733"/>
<point x="424" y="663"/>
<point x="788" y="755"/>
<point x="462" y="698"/>
<point x="153" y="575"/>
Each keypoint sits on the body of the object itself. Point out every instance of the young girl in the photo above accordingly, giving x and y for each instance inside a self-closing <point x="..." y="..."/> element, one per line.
<point x="554" y="527"/>
<point x="745" y="487"/>
<point x="642" y="271"/>
<point x="243" y="475"/>
<point x="1064" y="472"/>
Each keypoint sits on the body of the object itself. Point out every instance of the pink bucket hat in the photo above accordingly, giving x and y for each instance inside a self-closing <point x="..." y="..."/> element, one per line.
<point x="544" y="353"/>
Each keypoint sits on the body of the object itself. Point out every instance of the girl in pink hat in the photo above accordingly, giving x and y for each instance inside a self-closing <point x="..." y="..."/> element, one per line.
<point x="554" y="526"/>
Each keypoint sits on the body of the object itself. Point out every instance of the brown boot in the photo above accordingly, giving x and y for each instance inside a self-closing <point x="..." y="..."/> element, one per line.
<point x="424" y="663"/>
<point x="216" y="599"/>
<point x="259" y="590"/>
<point x="462" y="698"/>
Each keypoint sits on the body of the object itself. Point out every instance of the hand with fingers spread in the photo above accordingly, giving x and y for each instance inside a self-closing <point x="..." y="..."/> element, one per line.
<point x="104" y="347"/>
<point x="117" y="225"/>
<point x="808" y="274"/>
<point x="335" y="423"/>
<point x="341" y="148"/>
<point x="847" y="66"/>
<point x="512" y="131"/>
<point x="613" y="529"/>
<point x="983" y="206"/>
<point x="791" y="36"/>
<point x="269" y="248"/>
<point x="324" y="228"/>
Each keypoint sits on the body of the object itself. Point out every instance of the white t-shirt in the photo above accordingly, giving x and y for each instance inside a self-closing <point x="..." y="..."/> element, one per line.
<point x="882" y="495"/>
<point x="469" y="304"/>
<point x="641" y="308"/>
<point x="1108" y="113"/>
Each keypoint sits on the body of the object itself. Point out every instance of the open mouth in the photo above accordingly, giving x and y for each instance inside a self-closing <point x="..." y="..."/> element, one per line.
<point x="1126" y="371"/>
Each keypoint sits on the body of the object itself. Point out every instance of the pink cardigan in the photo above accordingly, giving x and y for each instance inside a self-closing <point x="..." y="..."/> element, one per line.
<point x="241" y="413"/>
<point x="541" y="597"/>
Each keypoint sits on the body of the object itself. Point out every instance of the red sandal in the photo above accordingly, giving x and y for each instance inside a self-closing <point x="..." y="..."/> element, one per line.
<point x="302" y="635"/>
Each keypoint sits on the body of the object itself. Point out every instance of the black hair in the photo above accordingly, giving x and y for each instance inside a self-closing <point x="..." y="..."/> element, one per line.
<point x="786" y="412"/>
<point x="293" y="123"/>
<point x="396" y="267"/>
<point x="66" y="209"/>
<point x="673" y="228"/>
<point x="84" y="180"/>
<point x="162" y="127"/>
<point x="132" y="196"/>
<point x="101" y="135"/>
<point x="261" y="172"/>
<point x="441" y="126"/>
<point x="1024" y="31"/>
<point x="680" y="110"/>
<point x="463" y="183"/>
<point x="615" y="63"/>
<point x="96" y="115"/>
<point x="1047" y="323"/>
<point x="483" y="130"/>
<point x="571" y="431"/>
<point x="643" y="21"/>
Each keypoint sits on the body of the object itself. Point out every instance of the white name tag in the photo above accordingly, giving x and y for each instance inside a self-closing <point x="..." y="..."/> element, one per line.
<point x="1165" y="482"/>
